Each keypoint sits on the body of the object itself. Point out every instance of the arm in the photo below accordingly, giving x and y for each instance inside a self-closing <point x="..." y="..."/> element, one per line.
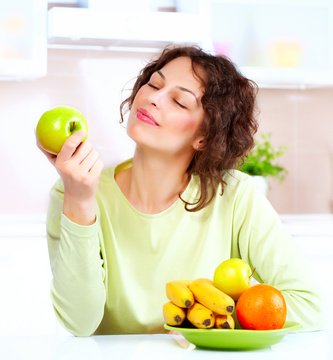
<point x="77" y="291"/>
<point x="266" y="246"/>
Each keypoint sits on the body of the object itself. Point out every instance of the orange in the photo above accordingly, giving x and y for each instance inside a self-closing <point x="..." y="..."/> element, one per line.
<point x="261" y="307"/>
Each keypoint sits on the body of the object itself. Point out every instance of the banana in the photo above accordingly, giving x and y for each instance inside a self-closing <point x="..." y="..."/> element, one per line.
<point x="210" y="296"/>
<point x="200" y="316"/>
<point x="173" y="314"/>
<point x="179" y="293"/>
<point x="224" y="322"/>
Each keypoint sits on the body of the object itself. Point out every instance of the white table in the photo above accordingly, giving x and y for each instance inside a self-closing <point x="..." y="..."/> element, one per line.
<point x="302" y="346"/>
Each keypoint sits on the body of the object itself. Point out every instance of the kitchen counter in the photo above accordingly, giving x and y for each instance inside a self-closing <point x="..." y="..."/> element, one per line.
<point x="301" y="345"/>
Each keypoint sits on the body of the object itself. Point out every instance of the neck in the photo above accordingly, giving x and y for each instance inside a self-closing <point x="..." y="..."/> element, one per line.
<point x="154" y="183"/>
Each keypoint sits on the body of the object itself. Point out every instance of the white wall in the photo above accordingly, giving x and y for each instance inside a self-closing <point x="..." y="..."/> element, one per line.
<point x="92" y="81"/>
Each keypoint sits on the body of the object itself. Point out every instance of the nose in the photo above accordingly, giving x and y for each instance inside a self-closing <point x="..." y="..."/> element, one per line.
<point x="155" y="97"/>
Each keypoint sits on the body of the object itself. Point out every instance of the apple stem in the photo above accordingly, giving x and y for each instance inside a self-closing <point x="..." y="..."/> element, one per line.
<point x="72" y="126"/>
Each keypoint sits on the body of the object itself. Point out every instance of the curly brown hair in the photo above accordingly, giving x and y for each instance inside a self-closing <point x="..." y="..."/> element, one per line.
<point x="228" y="129"/>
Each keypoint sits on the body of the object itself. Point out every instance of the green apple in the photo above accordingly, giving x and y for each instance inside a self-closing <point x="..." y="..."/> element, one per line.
<point x="233" y="276"/>
<point x="56" y="125"/>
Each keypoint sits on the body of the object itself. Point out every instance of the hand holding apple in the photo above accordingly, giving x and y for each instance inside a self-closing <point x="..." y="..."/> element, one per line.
<point x="78" y="163"/>
<point x="233" y="276"/>
<point x="56" y="125"/>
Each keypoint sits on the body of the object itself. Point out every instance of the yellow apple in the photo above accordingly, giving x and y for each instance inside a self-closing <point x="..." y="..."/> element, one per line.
<point x="233" y="276"/>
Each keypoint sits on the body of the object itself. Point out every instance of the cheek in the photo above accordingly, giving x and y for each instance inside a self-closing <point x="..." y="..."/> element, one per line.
<point x="188" y="124"/>
<point x="131" y="123"/>
<point x="138" y="97"/>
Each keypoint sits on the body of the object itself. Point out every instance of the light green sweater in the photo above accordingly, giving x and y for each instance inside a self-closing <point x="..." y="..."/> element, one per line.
<point x="109" y="278"/>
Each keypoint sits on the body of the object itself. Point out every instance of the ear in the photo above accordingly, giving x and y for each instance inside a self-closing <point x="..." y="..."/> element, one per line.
<point x="198" y="143"/>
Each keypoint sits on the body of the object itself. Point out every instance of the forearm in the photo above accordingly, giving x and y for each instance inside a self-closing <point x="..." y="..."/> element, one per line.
<point x="305" y="307"/>
<point x="265" y="244"/>
<point x="278" y="262"/>
<point x="78" y="291"/>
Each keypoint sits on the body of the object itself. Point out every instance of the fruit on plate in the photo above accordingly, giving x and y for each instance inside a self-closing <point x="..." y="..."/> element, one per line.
<point x="179" y="293"/>
<point x="233" y="276"/>
<point x="173" y="314"/>
<point x="56" y="125"/>
<point x="198" y="303"/>
<point x="200" y="316"/>
<point x="210" y="296"/>
<point x="261" y="307"/>
<point x="224" y="322"/>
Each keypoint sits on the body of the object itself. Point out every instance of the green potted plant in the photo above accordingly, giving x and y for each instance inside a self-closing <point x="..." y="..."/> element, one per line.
<point x="261" y="161"/>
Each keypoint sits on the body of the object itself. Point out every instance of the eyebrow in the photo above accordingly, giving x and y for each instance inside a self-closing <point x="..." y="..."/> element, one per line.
<point x="179" y="87"/>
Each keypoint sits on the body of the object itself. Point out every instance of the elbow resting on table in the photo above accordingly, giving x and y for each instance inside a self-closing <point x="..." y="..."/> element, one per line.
<point x="82" y="326"/>
<point x="80" y="315"/>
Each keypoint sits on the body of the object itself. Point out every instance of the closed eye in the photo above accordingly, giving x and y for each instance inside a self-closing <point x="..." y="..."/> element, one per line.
<point x="180" y="104"/>
<point x="152" y="86"/>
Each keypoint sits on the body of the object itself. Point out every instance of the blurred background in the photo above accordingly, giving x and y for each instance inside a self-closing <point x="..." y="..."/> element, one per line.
<point x="87" y="54"/>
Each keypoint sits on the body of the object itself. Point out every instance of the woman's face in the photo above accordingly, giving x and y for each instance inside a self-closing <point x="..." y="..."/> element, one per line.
<point x="167" y="113"/>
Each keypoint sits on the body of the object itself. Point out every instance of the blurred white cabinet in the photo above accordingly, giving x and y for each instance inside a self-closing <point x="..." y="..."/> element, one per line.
<point x="23" y="39"/>
<point x="123" y="30"/>
<point x="286" y="43"/>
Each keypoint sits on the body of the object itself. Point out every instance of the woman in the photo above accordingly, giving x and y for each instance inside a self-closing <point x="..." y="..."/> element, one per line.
<point x="174" y="211"/>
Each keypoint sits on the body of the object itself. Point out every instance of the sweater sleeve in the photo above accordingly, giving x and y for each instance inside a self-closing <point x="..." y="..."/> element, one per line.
<point x="77" y="290"/>
<point x="266" y="245"/>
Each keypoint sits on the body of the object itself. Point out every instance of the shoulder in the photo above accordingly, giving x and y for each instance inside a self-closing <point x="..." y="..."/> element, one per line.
<point x="246" y="197"/>
<point x="241" y="192"/>
<point x="237" y="181"/>
<point x="235" y="177"/>
<point x="243" y="189"/>
<point x="237" y="185"/>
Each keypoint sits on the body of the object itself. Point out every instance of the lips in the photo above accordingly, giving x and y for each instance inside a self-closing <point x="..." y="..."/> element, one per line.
<point x="144" y="116"/>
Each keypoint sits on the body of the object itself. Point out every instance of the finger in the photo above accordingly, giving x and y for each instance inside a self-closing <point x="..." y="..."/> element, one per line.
<point x="70" y="145"/>
<point x="96" y="170"/>
<point x="82" y="151"/>
<point x="89" y="161"/>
